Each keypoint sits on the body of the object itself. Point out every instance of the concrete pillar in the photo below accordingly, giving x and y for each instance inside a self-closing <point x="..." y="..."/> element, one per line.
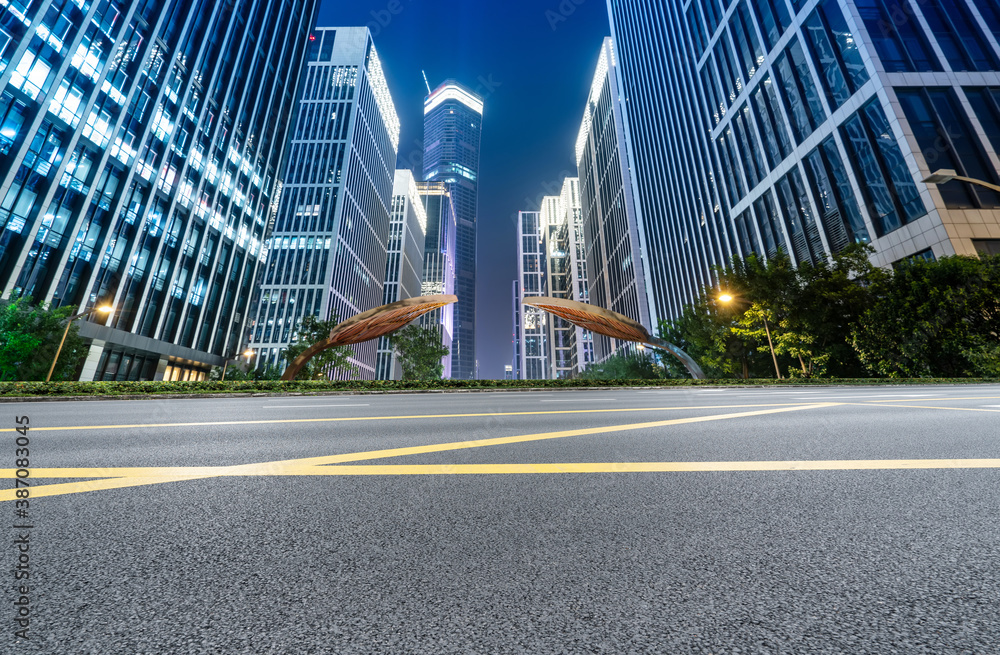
<point x="93" y="359"/>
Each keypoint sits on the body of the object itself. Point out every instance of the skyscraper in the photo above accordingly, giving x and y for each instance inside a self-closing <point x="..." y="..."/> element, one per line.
<point x="404" y="261"/>
<point x="439" y="262"/>
<point x="617" y="271"/>
<point x="532" y="330"/>
<point x="327" y="253"/>
<point x="140" y="147"/>
<point x="453" y="118"/>
<point x="807" y="126"/>
<point x="550" y="257"/>
<point x="571" y="347"/>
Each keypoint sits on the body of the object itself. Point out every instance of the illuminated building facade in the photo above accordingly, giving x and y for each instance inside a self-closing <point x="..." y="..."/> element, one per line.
<point x="617" y="271"/>
<point x="327" y="252"/>
<point x="140" y="147"/>
<point x="439" y="262"/>
<point x="453" y="118"/>
<point x="404" y="260"/>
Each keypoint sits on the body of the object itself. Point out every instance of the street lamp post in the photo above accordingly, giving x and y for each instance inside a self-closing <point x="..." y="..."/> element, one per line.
<point x="947" y="175"/>
<point x="69" y="322"/>
<point x="726" y="299"/>
<point x="248" y="353"/>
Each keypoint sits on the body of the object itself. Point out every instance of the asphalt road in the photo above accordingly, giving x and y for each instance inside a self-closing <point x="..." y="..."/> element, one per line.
<point x="819" y="520"/>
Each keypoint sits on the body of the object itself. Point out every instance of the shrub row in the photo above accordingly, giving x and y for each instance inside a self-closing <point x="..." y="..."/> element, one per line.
<point x="16" y="389"/>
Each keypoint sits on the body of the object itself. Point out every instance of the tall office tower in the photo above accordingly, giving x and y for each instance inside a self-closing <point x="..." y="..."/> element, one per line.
<point x="404" y="261"/>
<point x="140" y="145"/>
<point x="327" y="253"/>
<point x="439" y="262"/>
<point x="453" y="118"/>
<point x="532" y="279"/>
<point x="515" y="294"/>
<point x="807" y="126"/>
<point x="618" y="275"/>
<point x="570" y="347"/>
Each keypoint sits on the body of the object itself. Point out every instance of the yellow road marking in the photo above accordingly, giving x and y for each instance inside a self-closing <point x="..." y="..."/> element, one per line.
<point x="130" y="426"/>
<point x="153" y="475"/>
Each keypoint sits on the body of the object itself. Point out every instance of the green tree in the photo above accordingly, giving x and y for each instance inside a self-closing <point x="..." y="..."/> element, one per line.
<point x="933" y="319"/>
<point x="419" y="350"/>
<point x="29" y="337"/>
<point x="626" y="366"/>
<point x="311" y="331"/>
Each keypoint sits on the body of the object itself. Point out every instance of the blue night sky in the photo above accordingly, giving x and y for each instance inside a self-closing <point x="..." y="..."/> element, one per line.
<point x="534" y="72"/>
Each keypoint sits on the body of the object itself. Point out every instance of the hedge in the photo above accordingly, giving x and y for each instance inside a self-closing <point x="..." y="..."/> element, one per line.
<point x="23" y="389"/>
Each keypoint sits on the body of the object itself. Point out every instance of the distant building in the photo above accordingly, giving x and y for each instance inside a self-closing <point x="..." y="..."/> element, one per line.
<point x="404" y="261"/>
<point x="805" y="126"/>
<point x="532" y="272"/>
<point x="571" y="348"/>
<point x="516" y="337"/>
<point x="453" y="118"/>
<point x="327" y="253"/>
<point x="439" y="262"/>
<point x="551" y="262"/>
<point x="617" y="271"/>
<point x="140" y="148"/>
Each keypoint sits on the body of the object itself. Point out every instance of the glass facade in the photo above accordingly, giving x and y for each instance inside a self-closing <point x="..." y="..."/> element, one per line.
<point x="759" y="125"/>
<point x="140" y="146"/>
<point x="615" y="259"/>
<point x="404" y="260"/>
<point x="453" y="118"/>
<point x="532" y="330"/>
<point x="327" y="253"/>
<point x="439" y="261"/>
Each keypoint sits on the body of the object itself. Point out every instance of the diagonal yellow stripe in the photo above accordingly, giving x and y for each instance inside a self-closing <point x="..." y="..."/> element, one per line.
<point x="130" y="426"/>
<point x="117" y="478"/>
<point x="646" y="467"/>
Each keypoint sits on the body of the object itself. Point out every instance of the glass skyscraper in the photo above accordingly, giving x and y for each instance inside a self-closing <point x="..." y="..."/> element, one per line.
<point x="439" y="262"/>
<point x="140" y="147"/>
<point x="551" y="262"/>
<point x="327" y="252"/>
<point x="532" y="330"/>
<point x="806" y="125"/>
<point x="453" y="118"/>
<point x="618" y="275"/>
<point x="404" y="261"/>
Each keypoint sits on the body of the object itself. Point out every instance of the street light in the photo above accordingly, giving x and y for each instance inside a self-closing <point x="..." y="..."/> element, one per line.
<point x="725" y="298"/>
<point x="947" y="175"/>
<point x="248" y="353"/>
<point x="69" y="321"/>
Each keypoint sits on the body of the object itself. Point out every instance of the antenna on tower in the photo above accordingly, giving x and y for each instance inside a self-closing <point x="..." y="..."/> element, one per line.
<point x="427" y="83"/>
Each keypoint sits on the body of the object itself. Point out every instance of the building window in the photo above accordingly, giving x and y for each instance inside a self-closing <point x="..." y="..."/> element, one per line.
<point x="986" y="104"/>
<point x="898" y="38"/>
<point x="890" y="193"/>
<point x="805" y="110"/>
<point x="946" y="141"/>
<point x="834" y="197"/>
<point x="959" y="36"/>
<point x="835" y="53"/>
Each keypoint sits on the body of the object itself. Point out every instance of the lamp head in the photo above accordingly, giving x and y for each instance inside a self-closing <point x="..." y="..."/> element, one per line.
<point x="106" y="309"/>
<point x="941" y="176"/>
<point x="248" y="353"/>
<point x="725" y="298"/>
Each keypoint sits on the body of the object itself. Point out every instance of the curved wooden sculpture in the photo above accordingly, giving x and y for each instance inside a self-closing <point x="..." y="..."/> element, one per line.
<point x="610" y="324"/>
<point x="370" y="325"/>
